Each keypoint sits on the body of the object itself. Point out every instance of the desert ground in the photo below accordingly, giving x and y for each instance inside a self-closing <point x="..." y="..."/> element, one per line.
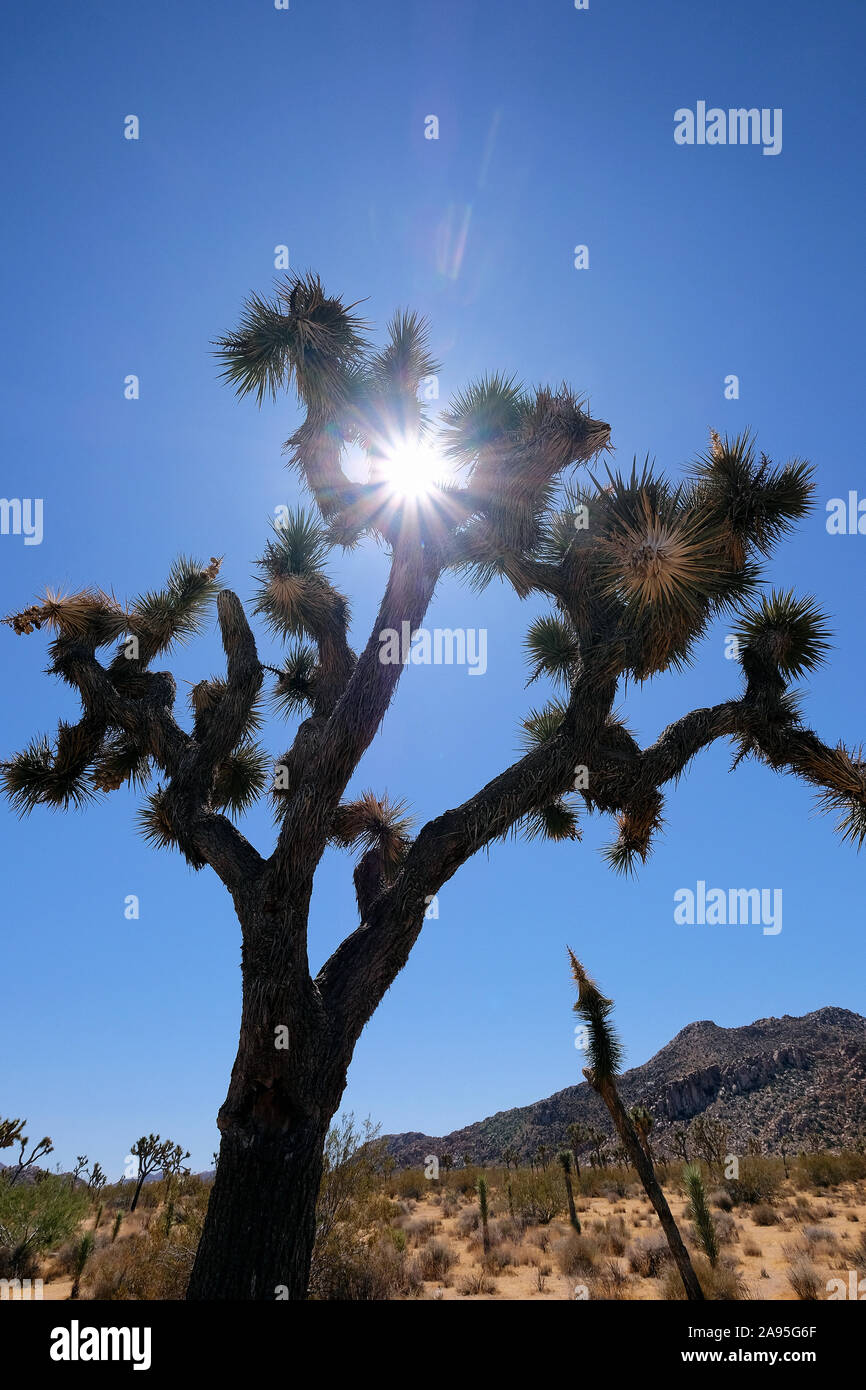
<point x="398" y="1235"/>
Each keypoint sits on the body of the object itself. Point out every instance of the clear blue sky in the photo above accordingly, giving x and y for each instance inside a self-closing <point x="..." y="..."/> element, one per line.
<point x="306" y="127"/>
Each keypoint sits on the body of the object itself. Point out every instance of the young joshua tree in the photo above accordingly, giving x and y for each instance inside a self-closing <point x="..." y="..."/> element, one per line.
<point x="635" y="569"/>
<point x="605" y="1056"/>
<point x="564" y="1160"/>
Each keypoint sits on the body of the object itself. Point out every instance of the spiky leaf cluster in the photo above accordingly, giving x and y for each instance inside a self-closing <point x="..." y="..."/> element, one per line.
<point x="605" y="1049"/>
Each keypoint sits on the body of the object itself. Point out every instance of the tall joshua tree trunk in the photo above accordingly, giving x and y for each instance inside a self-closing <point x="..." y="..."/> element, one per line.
<point x="288" y="1077"/>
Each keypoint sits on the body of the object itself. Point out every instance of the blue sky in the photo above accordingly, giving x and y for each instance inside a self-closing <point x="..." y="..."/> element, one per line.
<point x="306" y="128"/>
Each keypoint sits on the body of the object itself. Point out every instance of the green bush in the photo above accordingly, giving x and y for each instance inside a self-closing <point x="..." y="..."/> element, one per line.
<point x="35" y="1217"/>
<point x="759" y="1180"/>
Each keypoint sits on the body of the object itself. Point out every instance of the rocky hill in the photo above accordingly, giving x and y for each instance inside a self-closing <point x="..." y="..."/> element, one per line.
<point x="800" y="1080"/>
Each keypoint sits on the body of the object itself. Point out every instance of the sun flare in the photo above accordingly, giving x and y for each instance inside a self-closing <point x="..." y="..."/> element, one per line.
<point x="412" y="468"/>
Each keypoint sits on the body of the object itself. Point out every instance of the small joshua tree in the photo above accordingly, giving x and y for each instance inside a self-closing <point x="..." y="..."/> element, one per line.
<point x="699" y="1211"/>
<point x="483" y="1204"/>
<point x="605" y="1055"/>
<point x="564" y="1159"/>
<point x="577" y="1135"/>
<point x="635" y="567"/>
<point x="83" y="1251"/>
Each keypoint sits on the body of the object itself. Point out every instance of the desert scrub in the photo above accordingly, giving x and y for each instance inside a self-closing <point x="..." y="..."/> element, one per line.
<point x="538" y="1197"/>
<point x="575" y="1255"/>
<point x="758" y="1181"/>
<point x="648" y="1258"/>
<point x="804" y="1279"/>
<point x="765" y="1215"/>
<point x="435" y="1260"/>
<point x="721" y="1282"/>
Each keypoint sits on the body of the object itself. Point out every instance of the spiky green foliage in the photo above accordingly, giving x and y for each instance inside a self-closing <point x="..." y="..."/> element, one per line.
<point x="120" y="761"/>
<point x="46" y="774"/>
<point x="241" y="779"/>
<point x="11" y="1132"/>
<point x="301" y="335"/>
<point x="296" y="683"/>
<point x="295" y="595"/>
<point x="487" y="411"/>
<point x="373" y="822"/>
<point x="168" y="617"/>
<point x="556" y="821"/>
<point x="788" y="631"/>
<point x="700" y="1212"/>
<point x="541" y="725"/>
<point x="552" y="649"/>
<point x="756" y="502"/>
<point x="154" y="821"/>
<point x="605" y="1049"/>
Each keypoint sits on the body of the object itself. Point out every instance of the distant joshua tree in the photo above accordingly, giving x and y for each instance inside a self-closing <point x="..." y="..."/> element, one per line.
<point x="605" y="1056"/>
<point x="154" y="1155"/>
<point x="564" y="1158"/>
<point x="11" y="1133"/>
<point x="635" y="569"/>
<point x="577" y="1135"/>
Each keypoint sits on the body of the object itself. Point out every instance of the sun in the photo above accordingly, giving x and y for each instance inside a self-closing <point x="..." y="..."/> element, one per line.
<point x="412" y="468"/>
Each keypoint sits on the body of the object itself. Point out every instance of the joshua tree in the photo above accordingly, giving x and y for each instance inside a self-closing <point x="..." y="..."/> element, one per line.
<point x="83" y="1251"/>
<point x="96" y="1179"/>
<point x="680" y="1141"/>
<point x="598" y="1139"/>
<point x="605" y="1056"/>
<point x="636" y="569"/>
<point x="542" y="1156"/>
<point x="446" y="1162"/>
<point x="10" y="1132"/>
<point x="485" y="1212"/>
<point x="699" y="1211"/>
<point x="564" y="1158"/>
<point x="39" y="1150"/>
<point x="643" y="1123"/>
<point x="709" y="1138"/>
<point x="577" y="1135"/>
<point x="173" y="1160"/>
<point x="80" y="1166"/>
<point x="154" y="1155"/>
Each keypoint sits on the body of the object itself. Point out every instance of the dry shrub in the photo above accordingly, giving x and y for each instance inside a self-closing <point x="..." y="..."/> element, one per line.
<point x="348" y="1270"/>
<point x="410" y="1183"/>
<point x="804" y="1280"/>
<point x="751" y="1249"/>
<point x="468" y="1221"/>
<point x="435" y="1260"/>
<point x="722" y="1199"/>
<point x="765" y="1215"/>
<point x="759" y="1180"/>
<point x="609" y="1282"/>
<point x="575" y="1255"/>
<point x="724" y="1283"/>
<point x="476" y="1282"/>
<point x="420" y="1229"/>
<point x="648" y="1258"/>
<point x="152" y="1264"/>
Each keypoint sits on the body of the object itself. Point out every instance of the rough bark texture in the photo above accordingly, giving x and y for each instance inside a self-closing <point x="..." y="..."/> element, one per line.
<point x="627" y="1133"/>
